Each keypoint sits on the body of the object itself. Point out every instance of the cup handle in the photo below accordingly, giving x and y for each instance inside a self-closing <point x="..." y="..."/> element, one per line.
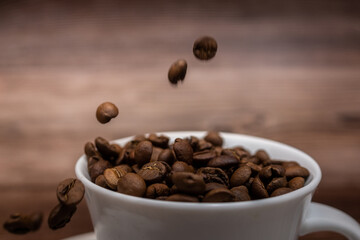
<point x="321" y="217"/>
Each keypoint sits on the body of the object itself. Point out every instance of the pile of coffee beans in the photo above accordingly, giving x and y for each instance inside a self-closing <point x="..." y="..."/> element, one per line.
<point x="190" y="169"/>
<point x="69" y="193"/>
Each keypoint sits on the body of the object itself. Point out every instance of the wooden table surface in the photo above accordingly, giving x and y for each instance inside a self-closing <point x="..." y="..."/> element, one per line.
<point x="288" y="71"/>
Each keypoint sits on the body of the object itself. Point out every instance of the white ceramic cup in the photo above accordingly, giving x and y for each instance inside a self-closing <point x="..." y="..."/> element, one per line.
<point x="286" y="217"/>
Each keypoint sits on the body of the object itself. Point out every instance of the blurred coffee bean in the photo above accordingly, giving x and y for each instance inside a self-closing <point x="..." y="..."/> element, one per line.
<point x="143" y="152"/>
<point x="180" y="166"/>
<point x="219" y="195"/>
<point x="189" y="183"/>
<point x="166" y="155"/>
<point x="100" y="181"/>
<point x="125" y="167"/>
<point x="296" y="183"/>
<point x="241" y="193"/>
<point x="112" y="176"/>
<point x="214" y="138"/>
<point x="258" y="189"/>
<point x="180" y="197"/>
<point x="296" y="171"/>
<point x="90" y="149"/>
<point x="272" y="171"/>
<point x="98" y="168"/>
<point x="212" y="186"/>
<point x="262" y="155"/>
<point x="216" y="175"/>
<point x="205" y="48"/>
<point x="229" y="152"/>
<point x="203" y="145"/>
<point x="183" y="151"/>
<point x="108" y="151"/>
<point x="70" y="191"/>
<point x="21" y="223"/>
<point x="276" y="183"/>
<point x="223" y="161"/>
<point x="255" y="169"/>
<point x="177" y="71"/>
<point x="157" y="190"/>
<point x="287" y="163"/>
<point x="159" y="141"/>
<point x="155" y="154"/>
<point x="240" y="176"/>
<point x="241" y="152"/>
<point x="203" y="157"/>
<point x="194" y="142"/>
<point x="60" y="216"/>
<point x="106" y="111"/>
<point x="132" y="184"/>
<point x="280" y="191"/>
<point x="153" y="172"/>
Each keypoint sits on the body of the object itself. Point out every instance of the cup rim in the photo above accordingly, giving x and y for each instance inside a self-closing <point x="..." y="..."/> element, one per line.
<point x="299" y="193"/>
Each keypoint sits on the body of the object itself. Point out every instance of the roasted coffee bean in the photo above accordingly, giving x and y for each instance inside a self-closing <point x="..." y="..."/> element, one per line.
<point x="296" y="183"/>
<point x="280" y="191"/>
<point x="143" y="152"/>
<point x="241" y="152"/>
<point x="183" y="151"/>
<point x="189" y="183"/>
<point x="214" y="138"/>
<point x="157" y="190"/>
<point x="240" y="176"/>
<point x="223" y="161"/>
<point x="155" y="154"/>
<point x="272" y="171"/>
<point x="132" y="184"/>
<point x="241" y="193"/>
<point x="180" y="166"/>
<point x="70" y="191"/>
<point x="216" y="175"/>
<point x="22" y="224"/>
<point x="255" y="169"/>
<point x="286" y="164"/>
<point x="252" y="159"/>
<point x="229" y="152"/>
<point x="126" y="156"/>
<point x="276" y="183"/>
<point x="98" y="168"/>
<point x="93" y="159"/>
<point x="194" y="142"/>
<point x="203" y="145"/>
<point x="106" y="111"/>
<point x="112" y="176"/>
<point x="163" y="198"/>
<point x="219" y="195"/>
<point x="180" y="197"/>
<point x="296" y="171"/>
<point x="205" y="48"/>
<point x="135" y="168"/>
<point x="203" y="157"/>
<point x="90" y="149"/>
<point x="258" y="189"/>
<point x="100" y="181"/>
<point x="177" y="71"/>
<point x="60" y="216"/>
<point x="212" y="186"/>
<point x="159" y="141"/>
<point x="125" y="167"/>
<point x="262" y="155"/>
<point x="166" y="155"/>
<point x="108" y="151"/>
<point x="154" y="172"/>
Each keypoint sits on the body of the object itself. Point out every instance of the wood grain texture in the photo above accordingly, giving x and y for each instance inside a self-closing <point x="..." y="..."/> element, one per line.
<point x="288" y="71"/>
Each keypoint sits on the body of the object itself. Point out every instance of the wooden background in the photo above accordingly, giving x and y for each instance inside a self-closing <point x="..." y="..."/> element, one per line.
<point x="285" y="70"/>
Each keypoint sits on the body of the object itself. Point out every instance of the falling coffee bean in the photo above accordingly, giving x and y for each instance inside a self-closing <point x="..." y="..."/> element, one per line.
<point x="106" y="111"/>
<point x="132" y="184"/>
<point x="22" y="224"/>
<point x="177" y="71"/>
<point x="205" y="48"/>
<point x="70" y="191"/>
<point x="60" y="216"/>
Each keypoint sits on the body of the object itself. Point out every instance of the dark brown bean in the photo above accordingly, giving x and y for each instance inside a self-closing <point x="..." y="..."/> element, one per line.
<point x="143" y="152"/>
<point x="214" y="138"/>
<point x="70" y="191"/>
<point x="180" y="197"/>
<point x="205" y="48"/>
<point x="258" y="190"/>
<point x="180" y="166"/>
<point x="296" y="171"/>
<point x="280" y="191"/>
<point x="287" y="163"/>
<point x="194" y="142"/>
<point x="203" y="145"/>
<point x="241" y="152"/>
<point x="272" y="171"/>
<point x="230" y="152"/>
<point x="106" y="111"/>
<point x="276" y="183"/>
<point x="98" y="168"/>
<point x="112" y="176"/>
<point x="219" y="195"/>
<point x="125" y="167"/>
<point x="240" y="176"/>
<point x="132" y="184"/>
<point x="90" y="149"/>
<point x="166" y="155"/>
<point x="100" y="181"/>
<point x="223" y="161"/>
<point x="262" y="155"/>
<point x="21" y="223"/>
<point x="155" y="154"/>
<point x="183" y="150"/>
<point x="154" y="172"/>
<point x="255" y="169"/>
<point x="203" y="157"/>
<point x="211" y="174"/>
<point x="157" y="190"/>
<point x="213" y="185"/>
<point x="177" y="71"/>
<point x="159" y="141"/>
<point x="241" y="193"/>
<point x="60" y="216"/>
<point x="108" y="151"/>
<point x="296" y="183"/>
<point x="189" y="183"/>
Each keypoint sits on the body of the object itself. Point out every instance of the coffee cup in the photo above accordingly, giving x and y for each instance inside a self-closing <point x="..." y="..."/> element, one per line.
<point x="286" y="217"/>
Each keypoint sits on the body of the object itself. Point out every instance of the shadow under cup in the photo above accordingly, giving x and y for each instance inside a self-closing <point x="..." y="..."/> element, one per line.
<point x="119" y="216"/>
